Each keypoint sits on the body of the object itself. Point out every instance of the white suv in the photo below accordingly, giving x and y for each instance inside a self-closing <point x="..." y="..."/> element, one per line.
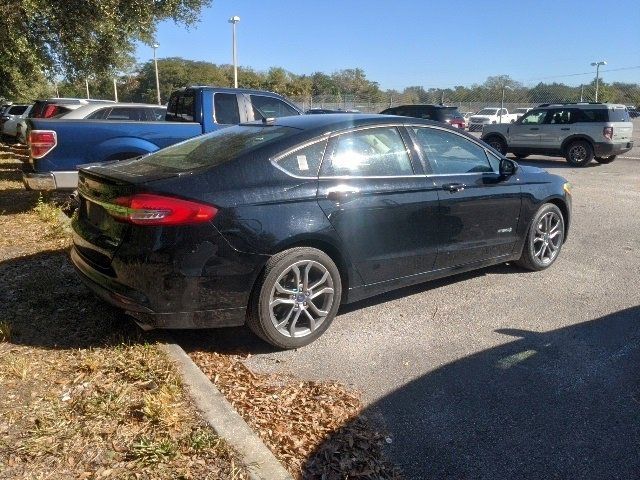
<point x="579" y="132"/>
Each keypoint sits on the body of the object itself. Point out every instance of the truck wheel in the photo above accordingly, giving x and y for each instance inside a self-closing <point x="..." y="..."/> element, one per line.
<point x="498" y="144"/>
<point x="606" y="159"/>
<point x="579" y="153"/>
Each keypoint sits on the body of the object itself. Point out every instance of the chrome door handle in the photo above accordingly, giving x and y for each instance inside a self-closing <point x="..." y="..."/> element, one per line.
<point x="567" y="128"/>
<point x="341" y="192"/>
<point x="453" y="187"/>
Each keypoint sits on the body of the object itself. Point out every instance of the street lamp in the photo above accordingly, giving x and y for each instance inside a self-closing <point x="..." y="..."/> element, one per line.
<point x="155" y="61"/>
<point x="597" y="65"/>
<point x="234" y="20"/>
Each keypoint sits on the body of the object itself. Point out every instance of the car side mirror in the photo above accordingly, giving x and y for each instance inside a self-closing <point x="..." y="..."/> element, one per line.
<point x="507" y="167"/>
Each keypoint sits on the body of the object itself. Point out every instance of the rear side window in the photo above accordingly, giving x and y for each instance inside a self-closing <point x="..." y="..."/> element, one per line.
<point x="448" y="153"/>
<point x="99" y="114"/>
<point x="127" y="113"/>
<point x="305" y="161"/>
<point x="207" y="150"/>
<point x="594" y="115"/>
<point x="562" y="116"/>
<point x="225" y="108"/>
<point x="270" y="107"/>
<point x="17" y="110"/>
<point x="373" y="152"/>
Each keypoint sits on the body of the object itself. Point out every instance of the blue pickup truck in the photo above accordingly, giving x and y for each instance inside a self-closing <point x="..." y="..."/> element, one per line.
<point x="58" y="147"/>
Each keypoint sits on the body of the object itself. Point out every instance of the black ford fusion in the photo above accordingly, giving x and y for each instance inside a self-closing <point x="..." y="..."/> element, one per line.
<point x="276" y="223"/>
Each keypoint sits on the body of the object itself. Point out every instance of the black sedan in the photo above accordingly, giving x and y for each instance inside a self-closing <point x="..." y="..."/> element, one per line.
<point x="277" y="223"/>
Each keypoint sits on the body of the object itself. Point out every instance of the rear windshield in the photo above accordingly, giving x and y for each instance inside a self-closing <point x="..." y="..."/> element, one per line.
<point x="487" y="111"/>
<point x="17" y="110"/>
<point x="619" y="115"/>
<point x="604" y="115"/>
<point x="447" y="113"/>
<point x="207" y="150"/>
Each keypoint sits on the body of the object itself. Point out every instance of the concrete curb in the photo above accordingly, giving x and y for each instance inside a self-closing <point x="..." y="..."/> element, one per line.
<point x="225" y="421"/>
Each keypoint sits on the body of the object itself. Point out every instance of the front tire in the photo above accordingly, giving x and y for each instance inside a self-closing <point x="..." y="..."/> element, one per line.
<point x="605" y="160"/>
<point x="544" y="239"/>
<point x="296" y="298"/>
<point x="579" y="153"/>
<point x="497" y="143"/>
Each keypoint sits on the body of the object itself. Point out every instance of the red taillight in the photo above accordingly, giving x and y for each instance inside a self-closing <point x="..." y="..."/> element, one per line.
<point x="607" y="132"/>
<point x="41" y="142"/>
<point x="148" y="209"/>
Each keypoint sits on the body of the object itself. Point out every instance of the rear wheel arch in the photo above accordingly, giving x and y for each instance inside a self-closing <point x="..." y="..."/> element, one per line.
<point x="569" y="140"/>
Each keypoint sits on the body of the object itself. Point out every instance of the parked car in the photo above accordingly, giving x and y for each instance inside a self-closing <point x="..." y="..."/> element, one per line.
<point x="488" y="116"/>
<point x="438" y="113"/>
<point x="577" y="131"/>
<point x="58" y="147"/>
<point x="139" y="112"/>
<point x="9" y="120"/>
<point x="53" y="108"/>
<point x="277" y="223"/>
<point x="633" y="113"/>
<point x="520" y="111"/>
<point x="315" y="111"/>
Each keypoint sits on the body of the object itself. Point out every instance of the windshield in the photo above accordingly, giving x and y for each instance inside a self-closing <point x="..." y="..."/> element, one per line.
<point x="487" y="111"/>
<point x="206" y="150"/>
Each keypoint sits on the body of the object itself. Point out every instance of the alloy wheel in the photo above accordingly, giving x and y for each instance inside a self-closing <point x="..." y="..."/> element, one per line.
<point x="578" y="153"/>
<point x="301" y="298"/>
<point x="547" y="239"/>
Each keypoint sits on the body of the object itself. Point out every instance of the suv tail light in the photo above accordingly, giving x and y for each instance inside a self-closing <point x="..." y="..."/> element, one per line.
<point x="607" y="132"/>
<point x="149" y="209"/>
<point x="42" y="142"/>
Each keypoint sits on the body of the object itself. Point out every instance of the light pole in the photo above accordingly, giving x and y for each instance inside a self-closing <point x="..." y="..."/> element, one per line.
<point x="597" y="65"/>
<point x="504" y="87"/>
<point x="86" y="84"/>
<point x="115" y="89"/>
<point x="234" y="20"/>
<point x="155" y="61"/>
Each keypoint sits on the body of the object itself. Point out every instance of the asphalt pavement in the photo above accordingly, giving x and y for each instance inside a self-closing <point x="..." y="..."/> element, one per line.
<point x="501" y="373"/>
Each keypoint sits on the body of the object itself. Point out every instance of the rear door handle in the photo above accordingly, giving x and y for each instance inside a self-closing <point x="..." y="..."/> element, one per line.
<point x="534" y="128"/>
<point x="453" y="187"/>
<point x="567" y="128"/>
<point x="342" y="192"/>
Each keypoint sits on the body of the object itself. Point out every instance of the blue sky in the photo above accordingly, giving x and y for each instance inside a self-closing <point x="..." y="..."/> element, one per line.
<point x="410" y="42"/>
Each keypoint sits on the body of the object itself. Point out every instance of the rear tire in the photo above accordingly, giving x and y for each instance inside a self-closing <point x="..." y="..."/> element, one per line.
<point x="544" y="239"/>
<point x="296" y="298"/>
<point x="497" y="143"/>
<point x="579" y="153"/>
<point x="605" y="160"/>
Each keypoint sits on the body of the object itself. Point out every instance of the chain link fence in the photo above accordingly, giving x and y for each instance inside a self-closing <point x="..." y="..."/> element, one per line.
<point x="473" y="99"/>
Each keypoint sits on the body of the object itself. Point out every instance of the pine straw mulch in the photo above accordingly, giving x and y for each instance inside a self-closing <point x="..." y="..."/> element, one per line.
<point x="82" y="393"/>
<point x="316" y="429"/>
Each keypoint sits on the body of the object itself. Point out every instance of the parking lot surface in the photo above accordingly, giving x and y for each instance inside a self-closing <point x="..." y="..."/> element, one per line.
<point x="500" y="373"/>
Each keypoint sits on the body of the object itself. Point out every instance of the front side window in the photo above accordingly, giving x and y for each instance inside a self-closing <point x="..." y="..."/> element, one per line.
<point x="373" y="152"/>
<point x="535" y="117"/>
<point x="270" y="107"/>
<point x="305" y="161"/>
<point x="561" y="117"/>
<point x="448" y="153"/>
<point x="225" y="108"/>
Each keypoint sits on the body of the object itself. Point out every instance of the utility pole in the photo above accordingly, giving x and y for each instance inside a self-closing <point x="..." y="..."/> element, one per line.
<point x="234" y="21"/>
<point x="86" y="84"/>
<point x="581" y="93"/>
<point x="155" y="61"/>
<point x="115" y="89"/>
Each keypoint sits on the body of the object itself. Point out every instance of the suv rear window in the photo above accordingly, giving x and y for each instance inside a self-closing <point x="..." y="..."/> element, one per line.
<point x="619" y="115"/>
<point x="594" y="115"/>
<point x="17" y="110"/>
<point x="207" y="150"/>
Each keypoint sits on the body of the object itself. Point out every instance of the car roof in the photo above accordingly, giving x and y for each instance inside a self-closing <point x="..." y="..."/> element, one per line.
<point x="332" y="122"/>
<point x="88" y="109"/>
<point x="228" y="90"/>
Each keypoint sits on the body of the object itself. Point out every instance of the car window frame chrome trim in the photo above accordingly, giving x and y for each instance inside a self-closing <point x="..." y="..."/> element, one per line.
<point x="276" y="158"/>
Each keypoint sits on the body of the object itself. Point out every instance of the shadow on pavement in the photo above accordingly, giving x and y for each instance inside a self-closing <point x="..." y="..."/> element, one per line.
<point x="558" y="404"/>
<point x="546" y="163"/>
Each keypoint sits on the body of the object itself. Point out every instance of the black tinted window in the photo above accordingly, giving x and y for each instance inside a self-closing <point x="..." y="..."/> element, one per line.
<point x="225" y="107"/>
<point x="372" y="152"/>
<point x="127" y="113"/>
<point x="593" y="115"/>
<point x="270" y="107"/>
<point x="448" y="153"/>
<point x="17" y="110"/>
<point x="305" y="161"/>
<point x="447" y="113"/>
<point x="181" y="108"/>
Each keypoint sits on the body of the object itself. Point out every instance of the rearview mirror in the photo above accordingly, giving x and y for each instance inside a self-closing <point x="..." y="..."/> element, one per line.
<point x="507" y="167"/>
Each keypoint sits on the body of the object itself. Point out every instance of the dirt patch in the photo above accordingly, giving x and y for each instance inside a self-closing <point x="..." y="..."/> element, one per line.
<point x="83" y="393"/>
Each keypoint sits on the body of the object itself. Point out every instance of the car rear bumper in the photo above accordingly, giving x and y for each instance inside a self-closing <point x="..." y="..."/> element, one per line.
<point x="138" y="305"/>
<point x="604" y="149"/>
<point x="50" y="180"/>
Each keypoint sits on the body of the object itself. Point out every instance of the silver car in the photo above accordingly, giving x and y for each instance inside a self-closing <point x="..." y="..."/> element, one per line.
<point x="580" y="132"/>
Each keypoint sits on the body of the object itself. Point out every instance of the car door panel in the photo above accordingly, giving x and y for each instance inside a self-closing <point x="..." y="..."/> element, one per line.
<point x="387" y="223"/>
